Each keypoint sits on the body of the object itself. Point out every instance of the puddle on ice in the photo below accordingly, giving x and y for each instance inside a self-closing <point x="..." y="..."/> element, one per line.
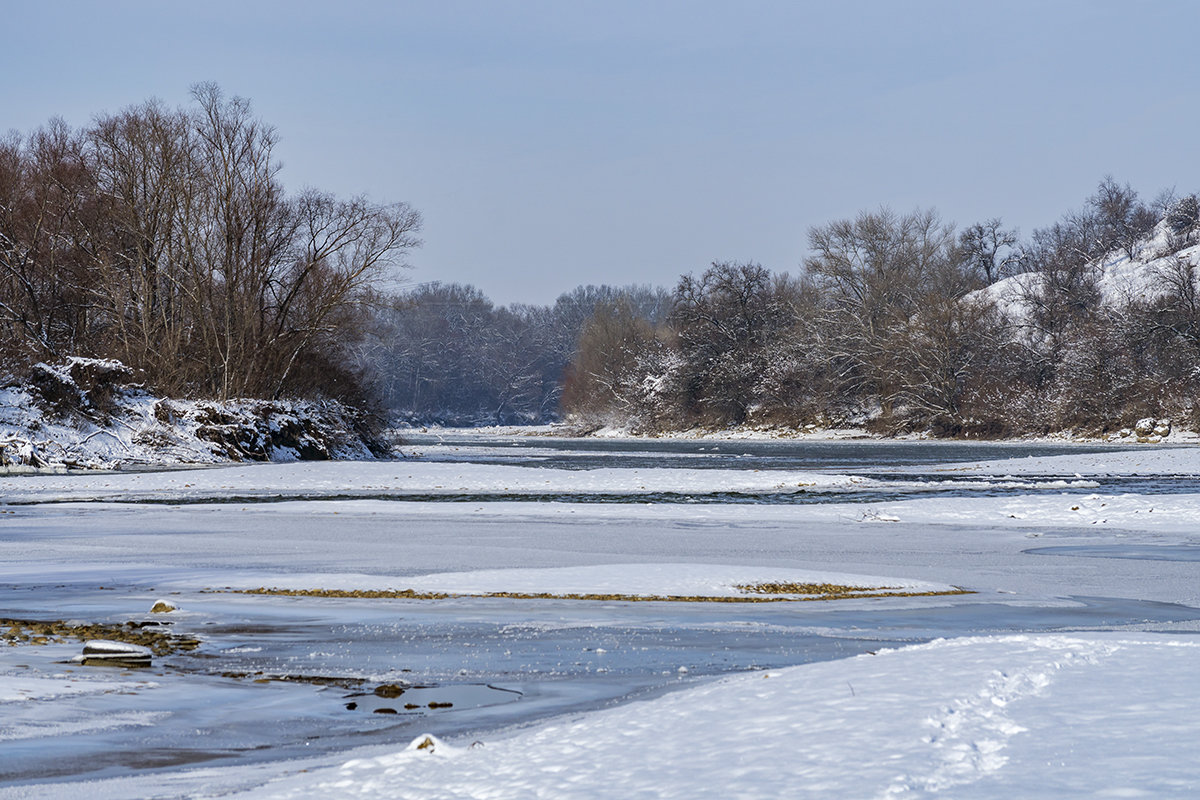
<point x="63" y="720"/>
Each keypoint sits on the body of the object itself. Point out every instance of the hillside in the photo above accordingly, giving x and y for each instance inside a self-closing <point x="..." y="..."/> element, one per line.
<point x="1151" y="274"/>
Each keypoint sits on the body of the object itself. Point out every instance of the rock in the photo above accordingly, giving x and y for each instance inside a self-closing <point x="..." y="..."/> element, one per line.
<point x="266" y="430"/>
<point x="164" y="412"/>
<point x="1150" y="429"/>
<point x="162" y="607"/>
<point x="112" y="647"/>
<point x="18" y="452"/>
<point x="80" y="384"/>
<point x="426" y="742"/>
<point x="108" y="653"/>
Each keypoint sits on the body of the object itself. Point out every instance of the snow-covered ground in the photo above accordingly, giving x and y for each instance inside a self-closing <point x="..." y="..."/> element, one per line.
<point x="1147" y="461"/>
<point x="313" y="480"/>
<point x="1069" y="672"/>
<point x="1007" y="716"/>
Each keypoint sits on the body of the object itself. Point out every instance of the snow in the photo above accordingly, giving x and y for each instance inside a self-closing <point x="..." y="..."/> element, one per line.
<point x="1014" y="716"/>
<point x="382" y="478"/>
<point x="1070" y="672"/>
<point x="422" y="478"/>
<point x="1184" y="460"/>
<point x="633" y="580"/>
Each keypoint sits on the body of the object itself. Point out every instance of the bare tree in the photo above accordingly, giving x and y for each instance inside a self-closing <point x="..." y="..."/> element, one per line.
<point x="987" y="250"/>
<point x="624" y="370"/>
<point x="1183" y="214"/>
<point x="723" y="320"/>
<point x="1122" y="218"/>
<point x="878" y="272"/>
<point x="44" y="283"/>
<point x="143" y="166"/>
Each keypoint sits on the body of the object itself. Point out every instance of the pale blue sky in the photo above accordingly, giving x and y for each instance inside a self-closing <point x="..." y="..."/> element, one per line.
<point x="550" y="144"/>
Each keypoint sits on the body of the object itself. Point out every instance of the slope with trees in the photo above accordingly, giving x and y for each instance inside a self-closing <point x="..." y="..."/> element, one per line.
<point x="897" y="323"/>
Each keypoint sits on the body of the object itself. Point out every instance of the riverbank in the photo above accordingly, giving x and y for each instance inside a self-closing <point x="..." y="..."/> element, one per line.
<point x="1153" y="431"/>
<point x="89" y="414"/>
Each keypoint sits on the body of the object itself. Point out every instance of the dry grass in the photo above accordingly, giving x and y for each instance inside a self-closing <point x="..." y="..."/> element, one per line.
<point x="369" y="594"/>
<point x="40" y="632"/>
<point x="756" y="593"/>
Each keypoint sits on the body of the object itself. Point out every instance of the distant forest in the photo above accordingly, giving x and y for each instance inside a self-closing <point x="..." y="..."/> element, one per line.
<point x="164" y="239"/>
<point x="443" y="353"/>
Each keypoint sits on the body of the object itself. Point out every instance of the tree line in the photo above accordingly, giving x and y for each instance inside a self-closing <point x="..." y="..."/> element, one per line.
<point x="164" y="238"/>
<point x="444" y="353"/>
<point x="899" y="322"/>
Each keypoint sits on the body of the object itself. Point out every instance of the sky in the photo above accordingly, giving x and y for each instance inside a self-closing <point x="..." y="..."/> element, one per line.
<point x="553" y="144"/>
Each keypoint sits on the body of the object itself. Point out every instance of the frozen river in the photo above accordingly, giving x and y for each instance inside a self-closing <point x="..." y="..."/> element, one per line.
<point x="1046" y="538"/>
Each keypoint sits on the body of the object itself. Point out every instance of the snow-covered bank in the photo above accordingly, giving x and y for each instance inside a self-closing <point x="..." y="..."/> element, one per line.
<point x="1148" y="461"/>
<point x="1168" y="434"/>
<point x="85" y="413"/>
<point x="1012" y="716"/>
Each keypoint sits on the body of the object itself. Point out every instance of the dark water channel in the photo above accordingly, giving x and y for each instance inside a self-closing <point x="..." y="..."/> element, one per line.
<point x="885" y="461"/>
<point x="853" y="457"/>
